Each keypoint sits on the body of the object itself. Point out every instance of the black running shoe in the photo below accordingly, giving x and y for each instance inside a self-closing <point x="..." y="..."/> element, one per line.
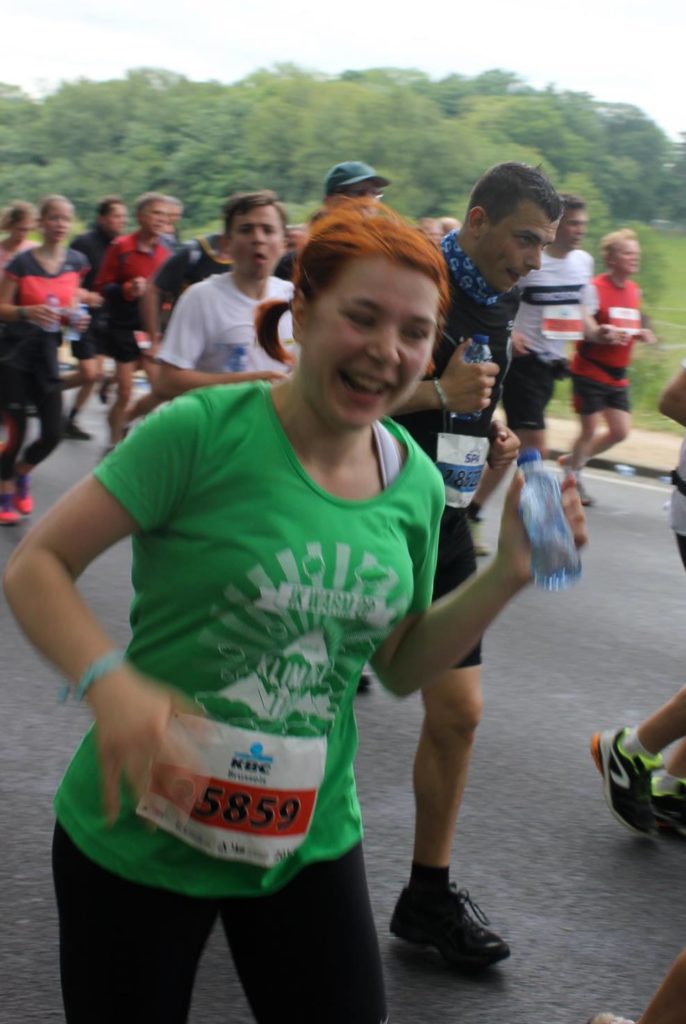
<point x="74" y="432"/>
<point x="104" y="390"/>
<point x="626" y="781"/>
<point x="451" y="922"/>
<point x="670" y="810"/>
<point x="364" y="683"/>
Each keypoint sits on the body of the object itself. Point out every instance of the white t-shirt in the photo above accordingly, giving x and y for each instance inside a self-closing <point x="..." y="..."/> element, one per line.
<point x="212" y="328"/>
<point x="549" y="314"/>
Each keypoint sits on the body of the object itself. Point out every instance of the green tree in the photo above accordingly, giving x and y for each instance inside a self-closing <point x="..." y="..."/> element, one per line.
<point x="284" y="127"/>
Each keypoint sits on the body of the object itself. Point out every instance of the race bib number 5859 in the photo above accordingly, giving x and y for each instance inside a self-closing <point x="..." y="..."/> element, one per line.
<point x="256" y="802"/>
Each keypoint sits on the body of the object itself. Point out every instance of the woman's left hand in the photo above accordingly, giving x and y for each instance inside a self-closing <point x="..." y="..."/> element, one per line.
<point x="514" y="549"/>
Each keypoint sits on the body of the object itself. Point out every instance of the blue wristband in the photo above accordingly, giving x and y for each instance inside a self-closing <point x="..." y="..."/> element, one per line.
<point x="100" y="667"/>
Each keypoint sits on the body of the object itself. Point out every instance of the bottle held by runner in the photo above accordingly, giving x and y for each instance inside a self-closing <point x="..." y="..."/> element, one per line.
<point x="477" y="351"/>
<point x="237" y="359"/>
<point x="555" y="561"/>
<point x="54" y="303"/>
<point x="74" y="318"/>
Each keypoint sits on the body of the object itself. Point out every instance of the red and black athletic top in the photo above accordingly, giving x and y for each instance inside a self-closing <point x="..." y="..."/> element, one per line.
<point x="619" y="307"/>
<point x="124" y="260"/>
<point x="24" y="345"/>
<point x="35" y="284"/>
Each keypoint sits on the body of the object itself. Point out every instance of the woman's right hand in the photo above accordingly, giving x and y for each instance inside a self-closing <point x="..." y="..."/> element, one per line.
<point x="133" y="715"/>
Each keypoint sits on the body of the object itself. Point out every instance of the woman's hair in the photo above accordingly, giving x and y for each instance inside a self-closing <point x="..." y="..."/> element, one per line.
<point x="52" y="200"/>
<point x="15" y="213"/>
<point x="355" y="231"/>
<point x="609" y="243"/>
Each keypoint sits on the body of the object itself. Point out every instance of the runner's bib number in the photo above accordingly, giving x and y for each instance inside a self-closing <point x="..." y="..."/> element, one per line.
<point x="562" y="323"/>
<point x="461" y="461"/>
<point x="627" y="320"/>
<point x="254" y="804"/>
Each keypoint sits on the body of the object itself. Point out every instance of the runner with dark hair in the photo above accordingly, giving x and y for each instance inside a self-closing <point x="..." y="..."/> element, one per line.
<point x="210" y="338"/>
<point x="512" y="216"/>
<point x="89" y="350"/>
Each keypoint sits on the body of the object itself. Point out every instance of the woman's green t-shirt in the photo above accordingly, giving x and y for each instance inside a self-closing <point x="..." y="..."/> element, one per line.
<point x="260" y="596"/>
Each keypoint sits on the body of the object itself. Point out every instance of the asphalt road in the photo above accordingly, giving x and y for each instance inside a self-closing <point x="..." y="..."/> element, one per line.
<point x="594" y="915"/>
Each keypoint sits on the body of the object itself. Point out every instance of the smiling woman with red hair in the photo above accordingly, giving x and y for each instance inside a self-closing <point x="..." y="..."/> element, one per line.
<point x="358" y="231"/>
<point x="282" y="537"/>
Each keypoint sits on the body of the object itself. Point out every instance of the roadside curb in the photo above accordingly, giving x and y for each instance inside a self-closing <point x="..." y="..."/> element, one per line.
<point x="650" y="472"/>
<point x="650" y="454"/>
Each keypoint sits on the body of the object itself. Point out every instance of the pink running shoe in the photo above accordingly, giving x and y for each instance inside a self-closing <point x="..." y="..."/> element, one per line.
<point x="23" y="502"/>
<point x="8" y="515"/>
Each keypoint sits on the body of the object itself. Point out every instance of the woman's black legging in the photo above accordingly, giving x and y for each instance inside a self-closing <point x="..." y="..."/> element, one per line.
<point x="19" y="390"/>
<point x="129" y="953"/>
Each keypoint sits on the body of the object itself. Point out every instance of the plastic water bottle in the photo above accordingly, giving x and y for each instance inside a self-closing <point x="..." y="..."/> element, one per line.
<point x="54" y="303"/>
<point x="237" y="359"/>
<point x="555" y="561"/>
<point x="72" y="332"/>
<point x="477" y="351"/>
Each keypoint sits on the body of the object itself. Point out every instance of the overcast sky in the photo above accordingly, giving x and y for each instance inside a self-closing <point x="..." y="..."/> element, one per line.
<point x="628" y="51"/>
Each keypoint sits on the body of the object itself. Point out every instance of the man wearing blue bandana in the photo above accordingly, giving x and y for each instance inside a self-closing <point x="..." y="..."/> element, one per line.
<point x="512" y="216"/>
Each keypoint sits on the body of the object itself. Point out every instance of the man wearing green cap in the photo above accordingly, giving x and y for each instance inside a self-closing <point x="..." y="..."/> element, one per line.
<point x="353" y="180"/>
<point x="350" y="180"/>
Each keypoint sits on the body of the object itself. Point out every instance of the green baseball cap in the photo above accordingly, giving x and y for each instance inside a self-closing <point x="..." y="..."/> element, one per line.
<point x="349" y="173"/>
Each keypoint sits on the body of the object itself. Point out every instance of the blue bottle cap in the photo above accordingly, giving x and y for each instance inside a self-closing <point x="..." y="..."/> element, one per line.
<point x="481" y="339"/>
<point x="528" y="455"/>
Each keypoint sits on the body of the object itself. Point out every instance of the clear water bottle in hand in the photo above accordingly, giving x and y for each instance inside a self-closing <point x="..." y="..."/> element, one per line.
<point x="54" y="303"/>
<point x="237" y="359"/>
<point x="75" y="316"/>
<point x="477" y="351"/>
<point x="555" y="561"/>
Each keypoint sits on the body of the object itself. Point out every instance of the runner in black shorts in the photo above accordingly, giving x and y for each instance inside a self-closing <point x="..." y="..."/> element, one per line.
<point x="529" y="388"/>
<point x="550" y="318"/>
<point x="129" y="262"/>
<point x="600" y="367"/>
<point x="512" y="216"/>
<point x="90" y="349"/>
<point x="456" y="563"/>
<point x="590" y="396"/>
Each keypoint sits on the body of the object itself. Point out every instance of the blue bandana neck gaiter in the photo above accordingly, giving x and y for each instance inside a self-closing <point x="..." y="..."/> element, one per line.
<point x="465" y="274"/>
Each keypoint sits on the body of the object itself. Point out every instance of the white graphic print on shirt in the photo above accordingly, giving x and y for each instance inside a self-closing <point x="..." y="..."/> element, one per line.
<point x="290" y="685"/>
